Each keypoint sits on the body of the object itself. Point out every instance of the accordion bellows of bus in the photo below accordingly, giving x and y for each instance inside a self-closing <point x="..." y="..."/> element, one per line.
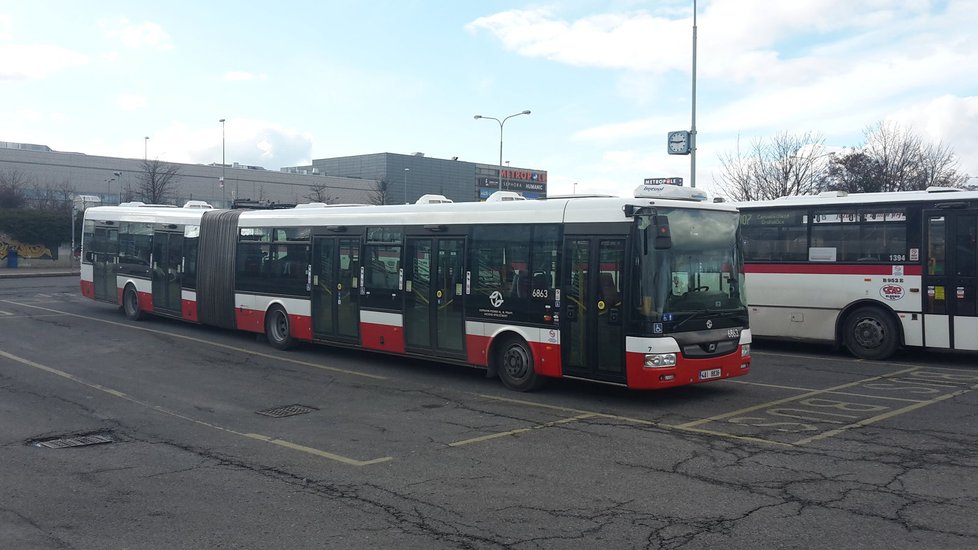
<point x="644" y="293"/>
<point x="868" y="271"/>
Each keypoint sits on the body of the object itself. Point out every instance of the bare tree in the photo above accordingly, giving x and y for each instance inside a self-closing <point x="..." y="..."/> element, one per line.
<point x="852" y="172"/>
<point x="783" y="165"/>
<point x="158" y="182"/>
<point x="895" y="159"/>
<point x="377" y="194"/>
<point x="127" y="194"/>
<point x="320" y="193"/>
<point x="898" y="153"/>
<point x="13" y="184"/>
<point x="939" y="167"/>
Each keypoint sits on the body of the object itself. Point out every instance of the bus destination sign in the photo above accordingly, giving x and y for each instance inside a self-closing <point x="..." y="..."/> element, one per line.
<point x="664" y="181"/>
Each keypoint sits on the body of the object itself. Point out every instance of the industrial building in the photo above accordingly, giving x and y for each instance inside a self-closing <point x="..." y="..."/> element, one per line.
<point x="381" y="178"/>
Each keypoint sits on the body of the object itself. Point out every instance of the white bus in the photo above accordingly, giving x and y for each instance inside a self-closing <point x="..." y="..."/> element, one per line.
<point x="644" y="293"/>
<point x="868" y="271"/>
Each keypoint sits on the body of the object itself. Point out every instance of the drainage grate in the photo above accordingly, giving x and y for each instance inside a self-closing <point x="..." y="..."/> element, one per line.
<point x="287" y="410"/>
<point x="77" y="441"/>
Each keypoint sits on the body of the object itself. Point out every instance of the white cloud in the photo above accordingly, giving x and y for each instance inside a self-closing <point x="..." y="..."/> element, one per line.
<point x="130" y="102"/>
<point x="136" y="35"/>
<point x="246" y="141"/>
<point x="6" y="25"/>
<point x="619" y="41"/>
<point x="33" y="61"/>
<point x="950" y="120"/>
<point x="236" y="76"/>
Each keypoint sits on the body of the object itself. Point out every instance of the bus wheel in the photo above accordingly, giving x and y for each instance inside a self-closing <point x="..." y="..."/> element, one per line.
<point x="130" y="303"/>
<point x="871" y="334"/>
<point x="515" y="366"/>
<point x="277" y="329"/>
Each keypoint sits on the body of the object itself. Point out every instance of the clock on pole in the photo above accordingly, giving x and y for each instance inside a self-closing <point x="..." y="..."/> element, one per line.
<point x="678" y="142"/>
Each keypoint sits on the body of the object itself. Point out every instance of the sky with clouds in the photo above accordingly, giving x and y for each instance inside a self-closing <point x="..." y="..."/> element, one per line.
<point x="605" y="80"/>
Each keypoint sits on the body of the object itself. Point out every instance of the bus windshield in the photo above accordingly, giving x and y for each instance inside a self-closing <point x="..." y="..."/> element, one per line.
<point x="702" y="270"/>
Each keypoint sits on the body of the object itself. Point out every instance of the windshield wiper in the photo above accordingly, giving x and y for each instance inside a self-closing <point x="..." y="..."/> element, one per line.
<point x="715" y="314"/>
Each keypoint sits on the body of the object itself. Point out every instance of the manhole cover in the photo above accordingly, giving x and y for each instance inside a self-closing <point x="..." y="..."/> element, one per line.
<point x="76" y="441"/>
<point x="287" y="410"/>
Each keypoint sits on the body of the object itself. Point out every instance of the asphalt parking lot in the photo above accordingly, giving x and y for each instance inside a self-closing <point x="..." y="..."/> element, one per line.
<point x="203" y="437"/>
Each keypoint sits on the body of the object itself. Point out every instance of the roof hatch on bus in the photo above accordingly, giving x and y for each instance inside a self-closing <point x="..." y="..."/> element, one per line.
<point x="672" y="192"/>
<point x="433" y="199"/>
<point x="500" y="196"/>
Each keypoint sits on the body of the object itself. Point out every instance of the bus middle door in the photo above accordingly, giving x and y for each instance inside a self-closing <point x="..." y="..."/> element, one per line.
<point x="434" y="320"/>
<point x="167" y="271"/>
<point x="592" y="338"/>
<point x="336" y="288"/>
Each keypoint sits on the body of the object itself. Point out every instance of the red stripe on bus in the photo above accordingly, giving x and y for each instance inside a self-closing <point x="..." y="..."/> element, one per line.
<point x="832" y="269"/>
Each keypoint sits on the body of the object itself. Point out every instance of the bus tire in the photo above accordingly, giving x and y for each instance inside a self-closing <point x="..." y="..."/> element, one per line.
<point x="516" y="366"/>
<point x="871" y="333"/>
<point x="130" y="303"/>
<point x="278" y="328"/>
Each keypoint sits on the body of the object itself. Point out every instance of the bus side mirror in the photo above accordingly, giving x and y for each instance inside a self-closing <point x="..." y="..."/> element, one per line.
<point x="663" y="238"/>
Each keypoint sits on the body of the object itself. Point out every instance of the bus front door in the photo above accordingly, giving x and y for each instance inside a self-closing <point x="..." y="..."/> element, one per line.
<point x="167" y="270"/>
<point x="592" y="338"/>
<point x="336" y="288"/>
<point x="950" y="279"/>
<point x="105" y="255"/>
<point x="433" y="290"/>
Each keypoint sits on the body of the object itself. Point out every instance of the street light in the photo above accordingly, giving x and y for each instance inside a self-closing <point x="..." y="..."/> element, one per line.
<point x="406" y="170"/>
<point x="222" y="160"/>
<point x="145" y="147"/>
<point x="501" y="122"/>
<point x="108" y="184"/>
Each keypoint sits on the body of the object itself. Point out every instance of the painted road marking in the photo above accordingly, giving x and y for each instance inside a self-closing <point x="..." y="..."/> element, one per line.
<point x="181" y="416"/>
<point x="520" y="430"/>
<point x="820" y="414"/>
<point x="206" y="342"/>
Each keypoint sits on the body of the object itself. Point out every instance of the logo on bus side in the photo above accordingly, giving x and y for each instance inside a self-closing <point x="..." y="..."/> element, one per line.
<point x="892" y="292"/>
<point x="496" y="299"/>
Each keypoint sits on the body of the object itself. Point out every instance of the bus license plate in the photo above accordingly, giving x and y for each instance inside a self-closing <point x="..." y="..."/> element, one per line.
<point x="708" y="374"/>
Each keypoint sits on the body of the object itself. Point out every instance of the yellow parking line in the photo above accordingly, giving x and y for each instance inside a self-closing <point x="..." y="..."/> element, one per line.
<point x="163" y="410"/>
<point x="520" y="430"/>
<point x="884" y="416"/>
<point x="568" y="409"/>
<point x="790" y="399"/>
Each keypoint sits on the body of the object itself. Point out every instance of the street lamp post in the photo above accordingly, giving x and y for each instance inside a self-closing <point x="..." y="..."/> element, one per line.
<point x="501" y="122"/>
<point x="223" y="167"/>
<point x="406" y="170"/>
<point x="145" y="148"/>
<point x="108" y="184"/>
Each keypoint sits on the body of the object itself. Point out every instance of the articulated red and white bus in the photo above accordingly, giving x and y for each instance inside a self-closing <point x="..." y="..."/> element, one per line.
<point x="868" y="271"/>
<point x="644" y="293"/>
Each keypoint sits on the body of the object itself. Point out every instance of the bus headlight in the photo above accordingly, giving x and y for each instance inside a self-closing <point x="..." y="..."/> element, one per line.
<point x="660" y="360"/>
<point x="745" y="350"/>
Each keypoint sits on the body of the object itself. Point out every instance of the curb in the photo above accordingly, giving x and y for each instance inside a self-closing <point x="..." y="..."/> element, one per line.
<point x="25" y="274"/>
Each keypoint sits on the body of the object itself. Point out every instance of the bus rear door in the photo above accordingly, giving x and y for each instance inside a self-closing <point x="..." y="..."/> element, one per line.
<point x="950" y="279"/>
<point x="105" y="257"/>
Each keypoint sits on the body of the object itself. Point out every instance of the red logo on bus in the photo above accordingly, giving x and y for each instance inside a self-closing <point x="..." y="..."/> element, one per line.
<point x="892" y="292"/>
